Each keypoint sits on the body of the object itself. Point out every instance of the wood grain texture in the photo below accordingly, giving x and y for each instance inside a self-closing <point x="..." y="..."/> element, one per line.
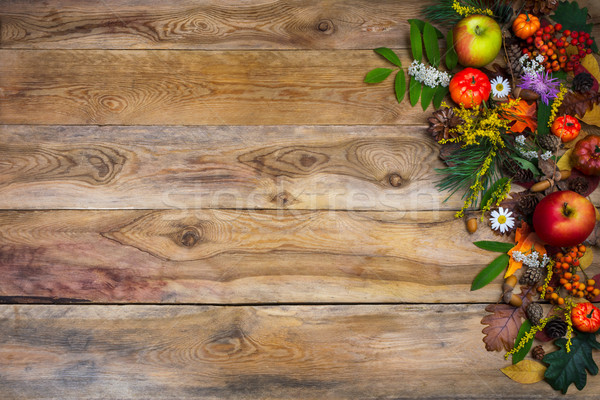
<point x="196" y="88"/>
<point x="228" y="256"/>
<point x="221" y="24"/>
<point x="267" y="167"/>
<point x="295" y="352"/>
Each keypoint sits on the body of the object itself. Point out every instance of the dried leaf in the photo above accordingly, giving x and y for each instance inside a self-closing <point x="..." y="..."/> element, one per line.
<point x="564" y="163"/>
<point x="587" y="259"/>
<point x="578" y="104"/>
<point x="526" y="371"/>
<point x="548" y="167"/>
<point x="525" y="240"/>
<point x="524" y="115"/>
<point x="504" y="322"/>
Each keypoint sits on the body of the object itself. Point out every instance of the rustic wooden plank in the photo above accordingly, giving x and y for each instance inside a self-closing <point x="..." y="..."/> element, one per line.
<point x="299" y="352"/>
<point x="197" y="87"/>
<point x="230" y="256"/>
<point x="193" y="24"/>
<point x="308" y="167"/>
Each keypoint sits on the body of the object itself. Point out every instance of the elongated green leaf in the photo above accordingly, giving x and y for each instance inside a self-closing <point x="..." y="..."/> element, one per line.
<point x="416" y="42"/>
<point x="432" y="47"/>
<point x="389" y="55"/>
<point x="378" y="75"/>
<point x="490" y="245"/>
<point x="414" y="91"/>
<point x="420" y="24"/>
<point x="427" y="96"/>
<point x="400" y="86"/>
<point x="519" y="355"/>
<point x="490" y="272"/>
<point x="490" y="192"/>
<point x="451" y="56"/>
<point x="439" y="95"/>
<point x="543" y="116"/>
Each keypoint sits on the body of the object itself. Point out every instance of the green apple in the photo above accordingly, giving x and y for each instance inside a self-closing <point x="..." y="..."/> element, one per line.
<point x="477" y="40"/>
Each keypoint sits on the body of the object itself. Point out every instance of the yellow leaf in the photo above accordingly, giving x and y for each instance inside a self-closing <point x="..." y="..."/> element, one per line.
<point x="565" y="163"/>
<point x="590" y="63"/>
<point x="525" y="371"/>
<point x="587" y="259"/>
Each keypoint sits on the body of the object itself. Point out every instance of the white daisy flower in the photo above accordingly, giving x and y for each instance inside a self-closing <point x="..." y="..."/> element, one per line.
<point x="502" y="220"/>
<point x="500" y="87"/>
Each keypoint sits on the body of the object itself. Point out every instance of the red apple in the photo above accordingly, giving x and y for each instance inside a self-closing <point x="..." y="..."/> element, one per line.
<point x="564" y="218"/>
<point x="477" y="40"/>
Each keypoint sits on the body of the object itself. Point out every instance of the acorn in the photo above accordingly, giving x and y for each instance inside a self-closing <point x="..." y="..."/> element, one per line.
<point x="512" y="299"/>
<point x="509" y="284"/>
<point x="472" y="224"/>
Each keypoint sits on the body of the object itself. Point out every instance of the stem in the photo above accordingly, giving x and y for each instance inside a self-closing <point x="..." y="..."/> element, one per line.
<point x="589" y="316"/>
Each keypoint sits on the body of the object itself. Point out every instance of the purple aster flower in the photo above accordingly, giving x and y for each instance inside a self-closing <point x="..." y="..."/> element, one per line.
<point x="541" y="83"/>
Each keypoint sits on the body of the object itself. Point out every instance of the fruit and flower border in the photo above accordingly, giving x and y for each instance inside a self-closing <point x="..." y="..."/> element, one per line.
<point x="522" y="77"/>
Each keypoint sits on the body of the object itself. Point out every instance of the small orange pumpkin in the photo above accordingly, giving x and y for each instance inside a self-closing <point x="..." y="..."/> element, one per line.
<point x="525" y="25"/>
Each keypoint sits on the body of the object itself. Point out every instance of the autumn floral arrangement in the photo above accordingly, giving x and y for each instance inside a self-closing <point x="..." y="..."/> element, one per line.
<point x="521" y="78"/>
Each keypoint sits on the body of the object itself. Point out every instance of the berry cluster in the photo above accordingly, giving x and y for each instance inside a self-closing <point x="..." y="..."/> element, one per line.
<point x="565" y="266"/>
<point x="552" y="43"/>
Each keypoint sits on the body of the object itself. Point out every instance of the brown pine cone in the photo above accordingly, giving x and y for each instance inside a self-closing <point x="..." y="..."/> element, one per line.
<point x="515" y="52"/>
<point x="514" y="170"/>
<point x="532" y="276"/>
<point x="442" y="122"/>
<point x="538" y="352"/>
<point x="579" y="185"/>
<point x="539" y="7"/>
<point x="535" y="313"/>
<point x="549" y="142"/>
<point x="583" y="82"/>
<point x="556" y="328"/>
<point x="526" y="203"/>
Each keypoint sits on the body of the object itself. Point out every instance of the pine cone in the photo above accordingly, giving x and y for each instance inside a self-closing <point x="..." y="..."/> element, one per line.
<point x="556" y="328"/>
<point x="579" y="185"/>
<point x="515" y="52"/>
<point x="514" y="170"/>
<point x="583" y="82"/>
<point x="549" y="142"/>
<point x="538" y="352"/>
<point x="532" y="276"/>
<point x="526" y="204"/>
<point x="442" y="122"/>
<point x="539" y="7"/>
<point x="534" y="312"/>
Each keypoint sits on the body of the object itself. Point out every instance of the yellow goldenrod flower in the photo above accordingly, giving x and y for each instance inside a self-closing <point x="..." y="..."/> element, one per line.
<point x="465" y="11"/>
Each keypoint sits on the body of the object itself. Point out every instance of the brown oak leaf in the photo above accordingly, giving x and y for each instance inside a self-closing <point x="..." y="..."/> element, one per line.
<point x="504" y="322"/>
<point x="576" y="103"/>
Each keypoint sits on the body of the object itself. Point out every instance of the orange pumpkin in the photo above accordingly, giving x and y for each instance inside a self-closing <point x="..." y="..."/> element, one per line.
<point x="525" y="25"/>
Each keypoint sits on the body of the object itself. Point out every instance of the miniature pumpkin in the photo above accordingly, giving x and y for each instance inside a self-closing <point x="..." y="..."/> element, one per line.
<point x="586" y="317"/>
<point x="525" y="25"/>
<point x="470" y="87"/>
<point x="566" y="128"/>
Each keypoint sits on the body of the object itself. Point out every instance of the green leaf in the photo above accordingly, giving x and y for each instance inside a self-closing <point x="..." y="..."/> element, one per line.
<point x="388" y="55"/>
<point x="543" y="116"/>
<point x="378" y="75"/>
<point x="451" y="56"/>
<point x="416" y="43"/>
<point x="427" y="96"/>
<point x="421" y="24"/>
<point x="490" y="245"/>
<point x="400" y="86"/>
<point x="439" y="95"/>
<point x="414" y="91"/>
<point x="490" y="192"/>
<point x="520" y="355"/>
<point x="565" y="367"/>
<point x="572" y="17"/>
<point x="432" y="47"/>
<point x="526" y="164"/>
<point x="490" y="272"/>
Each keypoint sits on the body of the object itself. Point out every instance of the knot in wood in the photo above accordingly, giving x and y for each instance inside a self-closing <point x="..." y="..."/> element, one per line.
<point x="190" y="237"/>
<point x="395" y="180"/>
<point x="325" y="26"/>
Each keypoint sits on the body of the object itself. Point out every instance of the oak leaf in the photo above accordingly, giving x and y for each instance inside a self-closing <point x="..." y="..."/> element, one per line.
<point x="524" y="115"/>
<point x="504" y="322"/>
<point x="578" y="104"/>
<point x="525" y="371"/>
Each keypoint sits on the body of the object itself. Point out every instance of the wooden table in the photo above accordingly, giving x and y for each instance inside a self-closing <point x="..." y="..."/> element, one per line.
<point x="202" y="199"/>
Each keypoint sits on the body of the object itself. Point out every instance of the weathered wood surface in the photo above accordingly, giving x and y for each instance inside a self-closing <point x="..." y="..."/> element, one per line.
<point x="141" y="87"/>
<point x="231" y="256"/>
<point x="222" y="24"/>
<point x="282" y="352"/>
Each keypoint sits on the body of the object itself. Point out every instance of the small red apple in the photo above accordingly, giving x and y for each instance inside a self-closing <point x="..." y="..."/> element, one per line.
<point x="564" y="218"/>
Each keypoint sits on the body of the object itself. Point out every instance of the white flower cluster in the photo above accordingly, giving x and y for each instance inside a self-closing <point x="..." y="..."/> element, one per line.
<point x="532" y="66"/>
<point x="520" y="140"/>
<point x="532" y="259"/>
<point x="546" y="155"/>
<point x="528" y="155"/>
<point x="428" y="75"/>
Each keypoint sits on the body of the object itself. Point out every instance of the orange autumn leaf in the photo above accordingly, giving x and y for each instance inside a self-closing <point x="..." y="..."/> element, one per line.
<point x="526" y="241"/>
<point x="524" y="115"/>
